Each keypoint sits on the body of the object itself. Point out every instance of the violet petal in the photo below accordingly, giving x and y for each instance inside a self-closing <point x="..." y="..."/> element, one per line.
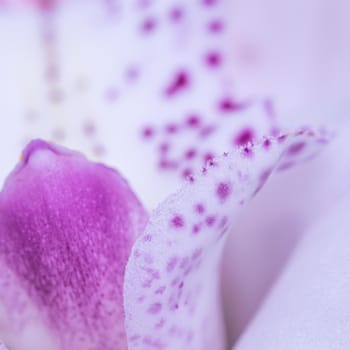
<point x="66" y="229"/>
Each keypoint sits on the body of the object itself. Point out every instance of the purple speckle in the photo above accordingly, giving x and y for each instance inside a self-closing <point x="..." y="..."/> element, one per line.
<point x="177" y="221"/>
<point x="215" y="26"/>
<point x="296" y="148"/>
<point x="213" y="59"/>
<point x="148" y="25"/>
<point x="176" y="14"/>
<point x="172" y="263"/>
<point x="180" y="81"/>
<point x="227" y="104"/>
<point x="210" y="220"/>
<point x="209" y="2"/>
<point x="223" y="190"/>
<point x="171" y="128"/>
<point x="199" y="208"/>
<point x="246" y="135"/>
<point x="190" y="153"/>
<point x="148" y="132"/>
<point x="155" y="308"/>
<point x="193" y="121"/>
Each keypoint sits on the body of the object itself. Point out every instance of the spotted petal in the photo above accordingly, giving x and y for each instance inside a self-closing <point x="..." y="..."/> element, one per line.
<point x="172" y="296"/>
<point x="137" y="84"/>
<point x="66" y="230"/>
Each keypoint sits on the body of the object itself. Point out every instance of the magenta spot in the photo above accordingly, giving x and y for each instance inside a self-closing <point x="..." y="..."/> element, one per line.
<point x="285" y="166"/>
<point x="199" y="208"/>
<point x="172" y="263"/>
<point x="89" y="129"/>
<point x="208" y="157"/>
<point x="160" y="324"/>
<point x="244" y="136"/>
<point x="177" y="221"/>
<point x="229" y="105"/>
<point x="132" y="73"/>
<point x="164" y="147"/>
<point x="171" y="128"/>
<point x="282" y="138"/>
<point x="166" y="164"/>
<point x="209" y="2"/>
<point x="155" y="308"/>
<point x="190" y="153"/>
<point x="213" y="59"/>
<point x="267" y="143"/>
<point x="180" y="81"/>
<point x="46" y="5"/>
<point x="207" y="131"/>
<point x="296" y="148"/>
<point x="247" y="152"/>
<point x="223" y="190"/>
<point x="148" y="25"/>
<point x="187" y="173"/>
<point x="148" y="132"/>
<point x="216" y="26"/>
<point x="210" y="220"/>
<point x="160" y="290"/>
<point x="193" y="121"/>
<point x="176" y="14"/>
<point x="195" y="229"/>
<point x="147" y="238"/>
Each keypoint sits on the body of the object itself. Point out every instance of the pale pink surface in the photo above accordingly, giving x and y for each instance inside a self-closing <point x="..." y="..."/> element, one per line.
<point x="309" y="306"/>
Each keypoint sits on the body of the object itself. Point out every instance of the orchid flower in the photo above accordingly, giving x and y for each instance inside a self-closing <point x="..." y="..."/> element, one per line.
<point x="188" y="248"/>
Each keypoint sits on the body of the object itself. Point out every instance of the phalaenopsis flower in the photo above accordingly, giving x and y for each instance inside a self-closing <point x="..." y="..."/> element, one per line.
<point x="225" y="225"/>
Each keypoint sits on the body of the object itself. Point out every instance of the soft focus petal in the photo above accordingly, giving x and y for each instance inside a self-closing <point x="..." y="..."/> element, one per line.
<point x="271" y="226"/>
<point x="2" y="346"/>
<point x="139" y="84"/>
<point x="309" y="308"/>
<point x="66" y="230"/>
<point x="172" y="296"/>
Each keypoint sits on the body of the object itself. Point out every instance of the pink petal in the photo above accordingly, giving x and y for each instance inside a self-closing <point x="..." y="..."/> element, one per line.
<point x="2" y="346"/>
<point x="107" y="77"/>
<point x="66" y="230"/>
<point x="172" y="296"/>
<point x="309" y="307"/>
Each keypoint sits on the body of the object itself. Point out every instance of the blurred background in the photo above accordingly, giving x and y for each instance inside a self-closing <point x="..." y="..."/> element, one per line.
<point x="121" y="80"/>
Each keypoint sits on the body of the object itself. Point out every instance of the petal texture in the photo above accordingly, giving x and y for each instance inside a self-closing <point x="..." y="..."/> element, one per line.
<point x="309" y="307"/>
<point x="172" y="296"/>
<point x="66" y="230"/>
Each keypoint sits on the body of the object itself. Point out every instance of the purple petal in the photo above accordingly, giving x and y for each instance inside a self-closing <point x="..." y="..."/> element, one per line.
<point x="172" y="295"/>
<point x="66" y="230"/>
<point x="309" y="307"/>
